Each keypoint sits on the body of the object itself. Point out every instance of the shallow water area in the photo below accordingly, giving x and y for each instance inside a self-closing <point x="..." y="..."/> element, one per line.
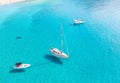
<point x="28" y="30"/>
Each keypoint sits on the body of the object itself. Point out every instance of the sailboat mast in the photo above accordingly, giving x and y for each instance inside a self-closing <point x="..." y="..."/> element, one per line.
<point x="61" y="40"/>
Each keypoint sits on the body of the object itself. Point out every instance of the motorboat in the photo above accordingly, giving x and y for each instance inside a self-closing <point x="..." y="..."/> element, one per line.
<point x="78" y="22"/>
<point x="20" y="65"/>
<point x="58" y="53"/>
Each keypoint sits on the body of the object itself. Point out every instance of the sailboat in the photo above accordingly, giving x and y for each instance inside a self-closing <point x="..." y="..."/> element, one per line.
<point x="59" y="52"/>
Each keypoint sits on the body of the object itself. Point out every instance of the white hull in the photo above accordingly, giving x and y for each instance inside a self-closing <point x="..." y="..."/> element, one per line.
<point x="78" y="21"/>
<point x="58" y="53"/>
<point x="22" y="66"/>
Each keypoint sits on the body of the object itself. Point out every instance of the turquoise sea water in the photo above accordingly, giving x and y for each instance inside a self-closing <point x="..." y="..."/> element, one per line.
<point x="94" y="47"/>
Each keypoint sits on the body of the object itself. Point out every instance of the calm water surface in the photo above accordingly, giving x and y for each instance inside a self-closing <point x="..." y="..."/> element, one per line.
<point x="94" y="47"/>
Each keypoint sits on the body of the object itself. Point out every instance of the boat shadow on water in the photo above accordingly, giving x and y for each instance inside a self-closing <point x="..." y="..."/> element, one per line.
<point x="76" y="25"/>
<point x="53" y="59"/>
<point x="17" y="71"/>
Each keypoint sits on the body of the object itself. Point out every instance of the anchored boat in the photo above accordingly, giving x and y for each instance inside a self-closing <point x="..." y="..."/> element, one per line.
<point x="20" y="65"/>
<point x="78" y="22"/>
<point x="59" y="52"/>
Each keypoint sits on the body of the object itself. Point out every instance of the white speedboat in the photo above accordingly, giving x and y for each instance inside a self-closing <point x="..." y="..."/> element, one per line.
<point x="58" y="53"/>
<point x="79" y="21"/>
<point x="19" y="65"/>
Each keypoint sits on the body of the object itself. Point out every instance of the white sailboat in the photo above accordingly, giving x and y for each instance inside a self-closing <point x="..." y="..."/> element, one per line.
<point x="59" y="52"/>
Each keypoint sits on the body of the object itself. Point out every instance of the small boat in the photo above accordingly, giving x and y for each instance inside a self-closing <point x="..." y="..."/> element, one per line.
<point x="58" y="53"/>
<point x="19" y="65"/>
<point x="78" y="22"/>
